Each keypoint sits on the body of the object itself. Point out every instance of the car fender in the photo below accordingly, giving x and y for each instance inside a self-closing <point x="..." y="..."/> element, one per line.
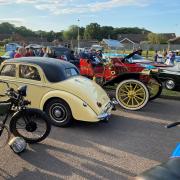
<point x="122" y="77"/>
<point x="79" y="108"/>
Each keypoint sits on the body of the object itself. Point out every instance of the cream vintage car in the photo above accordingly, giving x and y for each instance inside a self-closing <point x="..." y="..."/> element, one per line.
<point x="56" y="87"/>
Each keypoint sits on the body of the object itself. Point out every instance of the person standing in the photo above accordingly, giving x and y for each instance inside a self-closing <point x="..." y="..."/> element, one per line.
<point x="172" y="58"/>
<point x="147" y="54"/>
<point x="21" y="52"/>
<point x="156" y="56"/>
<point x="49" y="53"/>
<point x="99" y="54"/>
<point x="11" y="54"/>
<point x="42" y="52"/>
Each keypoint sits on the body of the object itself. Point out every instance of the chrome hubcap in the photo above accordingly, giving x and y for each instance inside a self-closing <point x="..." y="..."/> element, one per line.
<point x="170" y="84"/>
<point x="57" y="113"/>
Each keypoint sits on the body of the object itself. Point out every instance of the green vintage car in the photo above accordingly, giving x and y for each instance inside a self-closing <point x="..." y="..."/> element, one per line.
<point x="170" y="76"/>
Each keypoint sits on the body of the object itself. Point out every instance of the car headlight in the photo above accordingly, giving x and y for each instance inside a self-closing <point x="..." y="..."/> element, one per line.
<point x="145" y="71"/>
<point x="155" y="70"/>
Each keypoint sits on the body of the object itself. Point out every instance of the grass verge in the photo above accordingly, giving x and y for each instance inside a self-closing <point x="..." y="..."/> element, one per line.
<point x="166" y="92"/>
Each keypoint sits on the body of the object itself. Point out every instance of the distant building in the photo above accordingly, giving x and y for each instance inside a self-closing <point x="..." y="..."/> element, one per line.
<point x="128" y="42"/>
<point x="168" y="36"/>
<point x="174" y="40"/>
<point x="138" y="38"/>
<point x="135" y="38"/>
<point x="111" y="44"/>
<point x="4" y="36"/>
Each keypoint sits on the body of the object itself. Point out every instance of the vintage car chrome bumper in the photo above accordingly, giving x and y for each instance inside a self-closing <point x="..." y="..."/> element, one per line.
<point x="106" y="114"/>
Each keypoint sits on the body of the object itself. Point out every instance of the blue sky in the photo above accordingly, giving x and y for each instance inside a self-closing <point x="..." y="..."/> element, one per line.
<point x="155" y="15"/>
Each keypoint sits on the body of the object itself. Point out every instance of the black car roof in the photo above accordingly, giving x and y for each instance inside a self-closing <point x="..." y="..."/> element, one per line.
<point x="54" y="69"/>
<point x="41" y="61"/>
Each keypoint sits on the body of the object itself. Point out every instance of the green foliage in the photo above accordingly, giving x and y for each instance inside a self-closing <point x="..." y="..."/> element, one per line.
<point x="166" y="92"/>
<point x="93" y="31"/>
<point x="153" y="38"/>
<point x="106" y="32"/>
<point x="23" y="31"/>
<point x="7" y="28"/>
<point x="71" y="33"/>
<point x="157" y="38"/>
<point x="162" y="39"/>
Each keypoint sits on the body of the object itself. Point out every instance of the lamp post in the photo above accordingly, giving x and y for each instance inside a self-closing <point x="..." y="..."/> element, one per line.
<point x="78" y="35"/>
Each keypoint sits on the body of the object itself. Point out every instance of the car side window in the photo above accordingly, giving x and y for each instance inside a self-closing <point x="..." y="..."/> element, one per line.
<point x="29" y="72"/>
<point x="71" y="72"/>
<point x="8" y="70"/>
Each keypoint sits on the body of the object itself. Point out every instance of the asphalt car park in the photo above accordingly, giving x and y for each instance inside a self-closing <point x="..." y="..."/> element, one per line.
<point x="128" y="144"/>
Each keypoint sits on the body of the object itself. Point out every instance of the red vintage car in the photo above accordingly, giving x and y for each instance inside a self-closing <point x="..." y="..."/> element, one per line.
<point x="135" y="85"/>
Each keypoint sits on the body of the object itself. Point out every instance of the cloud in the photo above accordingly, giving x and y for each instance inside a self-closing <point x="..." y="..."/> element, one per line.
<point x="76" y="6"/>
<point x="16" y="21"/>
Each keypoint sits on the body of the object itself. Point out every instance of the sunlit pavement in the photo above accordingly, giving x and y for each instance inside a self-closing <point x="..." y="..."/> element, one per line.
<point x="128" y="144"/>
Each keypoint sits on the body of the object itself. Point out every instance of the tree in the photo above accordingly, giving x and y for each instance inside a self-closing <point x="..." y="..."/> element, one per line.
<point x="153" y="38"/>
<point x="59" y="35"/>
<point x="7" y="28"/>
<point x="106" y="32"/>
<point x="93" y="31"/>
<point x="156" y="38"/>
<point x="128" y="30"/>
<point x="50" y="36"/>
<point x="162" y="39"/>
<point x="24" y="31"/>
<point x="71" y="33"/>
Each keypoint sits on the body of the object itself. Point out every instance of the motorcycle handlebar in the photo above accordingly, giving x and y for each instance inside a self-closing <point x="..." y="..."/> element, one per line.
<point x="172" y="124"/>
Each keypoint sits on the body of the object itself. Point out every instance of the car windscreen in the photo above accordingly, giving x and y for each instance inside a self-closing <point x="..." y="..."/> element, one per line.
<point x="136" y="56"/>
<point x="61" y="51"/>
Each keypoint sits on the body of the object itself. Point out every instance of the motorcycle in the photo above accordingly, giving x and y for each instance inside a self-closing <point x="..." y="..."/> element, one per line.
<point x="30" y="124"/>
<point x="166" y="171"/>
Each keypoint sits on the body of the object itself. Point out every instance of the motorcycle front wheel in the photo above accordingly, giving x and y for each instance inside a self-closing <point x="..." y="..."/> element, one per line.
<point x="31" y="124"/>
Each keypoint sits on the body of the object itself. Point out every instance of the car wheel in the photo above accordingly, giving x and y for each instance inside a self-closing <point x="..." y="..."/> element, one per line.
<point x="132" y="94"/>
<point x="59" y="113"/>
<point x="170" y="84"/>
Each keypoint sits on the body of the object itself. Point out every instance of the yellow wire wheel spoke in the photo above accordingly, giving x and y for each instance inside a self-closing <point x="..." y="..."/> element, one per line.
<point x="140" y="89"/>
<point x="135" y="87"/>
<point x="126" y="87"/>
<point x="132" y="94"/>
<point x="141" y="98"/>
<point x="136" y="100"/>
<point x="128" y="101"/>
